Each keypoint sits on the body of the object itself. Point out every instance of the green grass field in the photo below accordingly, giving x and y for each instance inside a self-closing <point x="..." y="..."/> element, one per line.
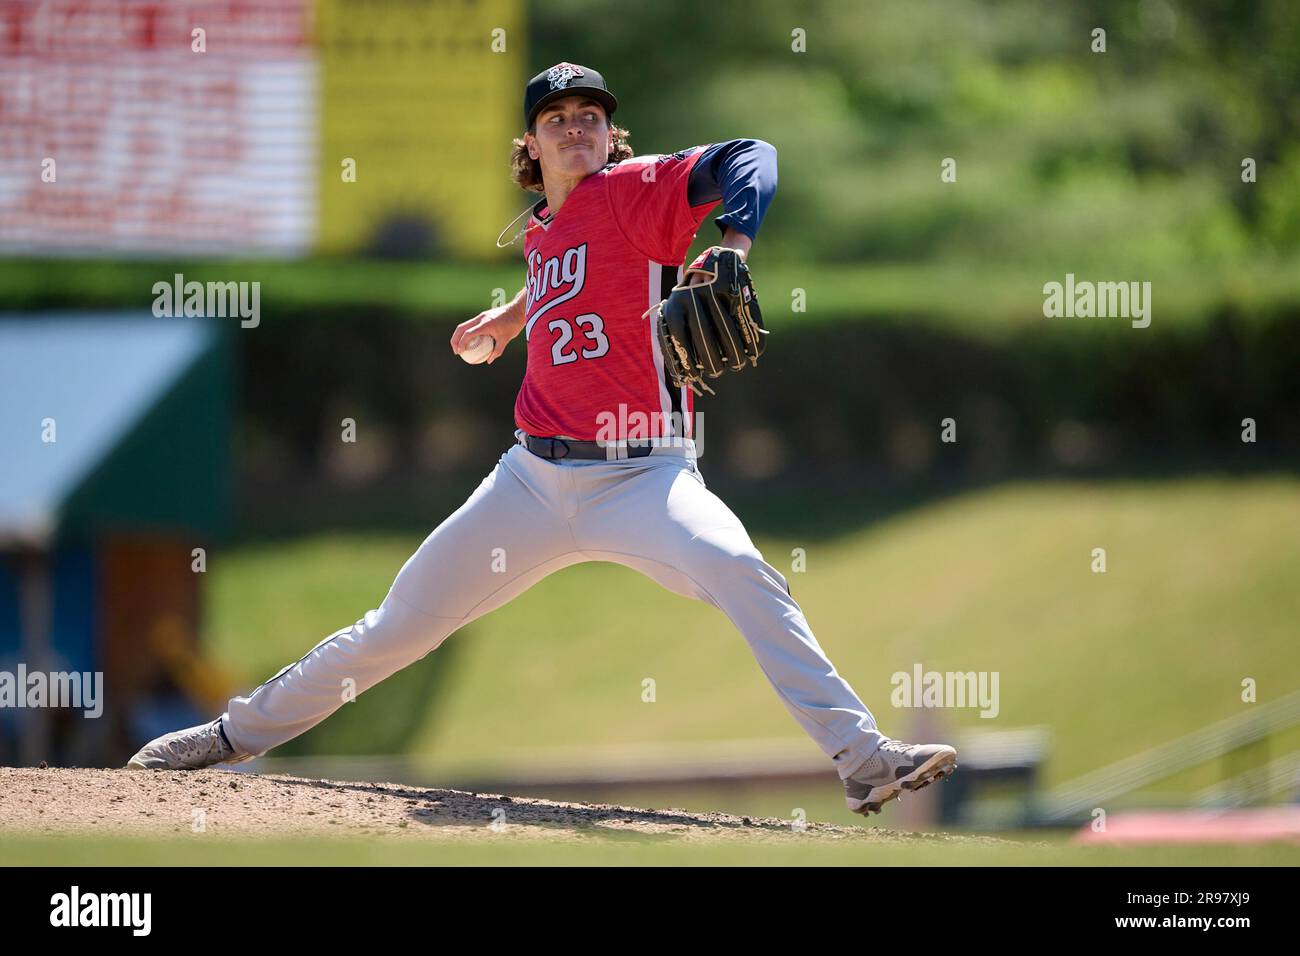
<point x="210" y="851"/>
<point x="1199" y="594"/>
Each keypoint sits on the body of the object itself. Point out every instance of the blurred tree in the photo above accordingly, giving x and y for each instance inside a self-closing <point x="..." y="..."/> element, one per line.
<point x="1130" y="156"/>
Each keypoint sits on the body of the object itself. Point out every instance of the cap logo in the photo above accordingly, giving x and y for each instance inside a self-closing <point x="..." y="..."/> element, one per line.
<point x="562" y="74"/>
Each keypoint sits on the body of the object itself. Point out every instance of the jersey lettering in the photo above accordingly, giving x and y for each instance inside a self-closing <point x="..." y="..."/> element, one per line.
<point x="565" y="273"/>
<point x="593" y="269"/>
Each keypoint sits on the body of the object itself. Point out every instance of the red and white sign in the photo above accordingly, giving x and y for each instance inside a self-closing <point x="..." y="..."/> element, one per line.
<point x="157" y="148"/>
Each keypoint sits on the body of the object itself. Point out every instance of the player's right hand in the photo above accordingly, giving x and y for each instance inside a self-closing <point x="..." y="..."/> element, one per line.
<point x="502" y="323"/>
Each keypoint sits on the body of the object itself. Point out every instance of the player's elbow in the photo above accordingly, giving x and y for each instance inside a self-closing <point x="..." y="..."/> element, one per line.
<point x="765" y="152"/>
<point x="752" y="147"/>
<point x="767" y="161"/>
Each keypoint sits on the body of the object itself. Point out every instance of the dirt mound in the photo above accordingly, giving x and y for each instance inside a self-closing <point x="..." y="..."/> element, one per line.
<point x="225" y="802"/>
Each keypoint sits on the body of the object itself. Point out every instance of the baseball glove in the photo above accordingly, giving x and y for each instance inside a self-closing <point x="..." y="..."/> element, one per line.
<point x="715" y="326"/>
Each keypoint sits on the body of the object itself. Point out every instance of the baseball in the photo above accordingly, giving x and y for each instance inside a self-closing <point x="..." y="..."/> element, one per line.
<point x="478" y="349"/>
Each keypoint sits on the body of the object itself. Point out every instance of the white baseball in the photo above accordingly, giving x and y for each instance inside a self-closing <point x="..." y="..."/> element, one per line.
<point x="478" y="349"/>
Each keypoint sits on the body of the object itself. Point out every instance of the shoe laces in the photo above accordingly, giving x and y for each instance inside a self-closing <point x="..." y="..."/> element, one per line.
<point x="896" y="746"/>
<point x="200" y="742"/>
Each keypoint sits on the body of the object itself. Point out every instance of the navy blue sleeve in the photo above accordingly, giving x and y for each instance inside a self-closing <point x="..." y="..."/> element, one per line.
<point x="740" y="172"/>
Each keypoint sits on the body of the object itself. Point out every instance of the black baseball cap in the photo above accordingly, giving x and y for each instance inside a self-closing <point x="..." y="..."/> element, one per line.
<point x="565" y="79"/>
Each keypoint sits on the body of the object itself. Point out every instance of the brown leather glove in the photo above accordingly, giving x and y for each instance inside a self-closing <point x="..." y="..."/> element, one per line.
<point x="714" y="326"/>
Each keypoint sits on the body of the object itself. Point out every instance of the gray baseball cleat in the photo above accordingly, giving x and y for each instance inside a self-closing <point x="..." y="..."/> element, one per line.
<point x="893" y="768"/>
<point x="189" y="749"/>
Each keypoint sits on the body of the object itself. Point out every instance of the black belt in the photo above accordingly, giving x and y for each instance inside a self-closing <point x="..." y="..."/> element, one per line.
<point x="554" y="448"/>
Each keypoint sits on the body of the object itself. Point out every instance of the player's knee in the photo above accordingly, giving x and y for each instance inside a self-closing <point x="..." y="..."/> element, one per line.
<point x="395" y="628"/>
<point x="721" y="559"/>
<point x="768" y="576"/>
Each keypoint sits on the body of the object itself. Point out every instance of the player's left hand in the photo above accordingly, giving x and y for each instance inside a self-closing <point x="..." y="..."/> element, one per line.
<point x="712" y="323"/>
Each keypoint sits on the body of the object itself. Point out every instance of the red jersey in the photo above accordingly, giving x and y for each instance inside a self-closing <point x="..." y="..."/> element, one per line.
<point x="615" y="249"/>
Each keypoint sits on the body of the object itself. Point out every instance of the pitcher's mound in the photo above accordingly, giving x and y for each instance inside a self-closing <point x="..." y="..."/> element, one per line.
<point x="226" y="802"/>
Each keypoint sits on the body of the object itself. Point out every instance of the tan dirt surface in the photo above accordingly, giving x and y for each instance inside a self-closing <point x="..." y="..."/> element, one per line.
<point x="230" y="803"/>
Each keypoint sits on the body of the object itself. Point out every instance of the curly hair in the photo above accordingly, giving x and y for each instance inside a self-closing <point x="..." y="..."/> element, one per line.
<point x="527" y="172"/>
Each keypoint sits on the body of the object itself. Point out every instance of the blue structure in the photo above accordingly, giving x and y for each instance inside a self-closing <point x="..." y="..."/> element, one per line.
<point x="115" y="436"/>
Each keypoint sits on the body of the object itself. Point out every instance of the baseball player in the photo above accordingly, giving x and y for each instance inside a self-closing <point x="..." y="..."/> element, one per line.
<point x="620" y="337"/>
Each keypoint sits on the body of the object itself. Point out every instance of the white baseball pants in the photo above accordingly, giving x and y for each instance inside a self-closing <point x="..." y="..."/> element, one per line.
<point x="532" y="516"/>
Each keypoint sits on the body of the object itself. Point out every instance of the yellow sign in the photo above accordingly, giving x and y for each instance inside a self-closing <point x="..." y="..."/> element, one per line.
<point x="417" y="114"/>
